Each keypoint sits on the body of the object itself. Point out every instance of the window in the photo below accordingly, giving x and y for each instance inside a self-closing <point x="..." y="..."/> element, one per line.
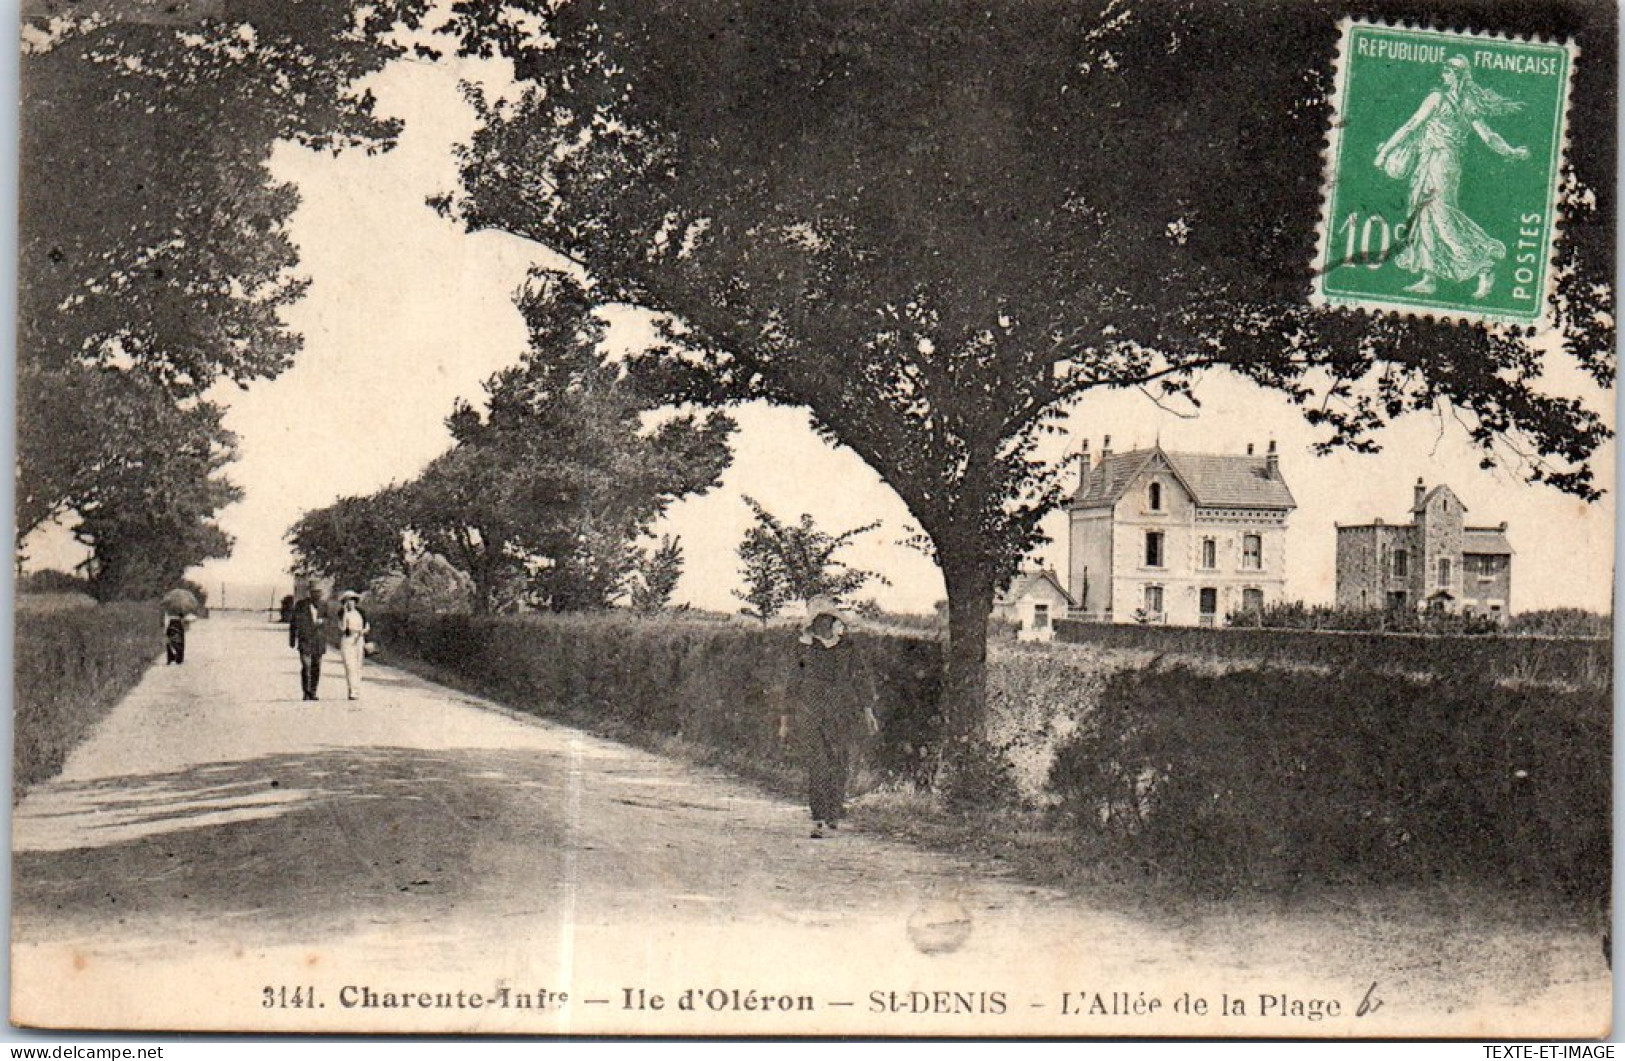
<point x="1155" y="493"/>
<point x="1153" y="548"/>
<point x="1252" y="552"/>
<point x="1207" y="604"/>
<point x="1396" y="600"/>
<point x="1210" y="553"/>
<point x="1153" y="600"/>
<point x="1040" y="617"/>
<point x="1402" y="561"/>
<point x="1252" y="601"/>
<point x="1444" y="572"/>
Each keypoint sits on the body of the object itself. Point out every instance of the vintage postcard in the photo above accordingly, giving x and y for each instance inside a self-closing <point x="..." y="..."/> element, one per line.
<point x="1006" y="519"/>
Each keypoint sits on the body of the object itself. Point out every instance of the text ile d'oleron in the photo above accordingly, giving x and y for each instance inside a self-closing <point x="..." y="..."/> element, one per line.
<point x="1280" y="1006"/>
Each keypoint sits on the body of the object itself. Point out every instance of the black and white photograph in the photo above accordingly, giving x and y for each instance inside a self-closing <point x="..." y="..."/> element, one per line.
<point x="888" y="519"/>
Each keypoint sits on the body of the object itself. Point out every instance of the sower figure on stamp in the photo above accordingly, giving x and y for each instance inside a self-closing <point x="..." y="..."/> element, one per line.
<point x="1442" y="242"/>
<point x="306" y="634"/>
<point x="831" y="695"/>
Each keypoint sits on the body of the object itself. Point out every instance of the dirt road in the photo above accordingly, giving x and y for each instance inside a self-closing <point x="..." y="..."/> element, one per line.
<point x="221" y="854"/>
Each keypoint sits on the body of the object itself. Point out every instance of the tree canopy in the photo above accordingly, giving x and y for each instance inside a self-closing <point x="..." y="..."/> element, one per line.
<point x="933" y="225"/>
<point x="546" y="491"/>
<point x="154" y="259"/>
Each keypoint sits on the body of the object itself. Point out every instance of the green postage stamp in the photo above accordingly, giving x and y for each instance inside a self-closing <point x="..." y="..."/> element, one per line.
<point x="1442" y="174"/>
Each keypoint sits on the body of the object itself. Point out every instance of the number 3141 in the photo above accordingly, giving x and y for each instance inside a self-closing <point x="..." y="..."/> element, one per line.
<point x="1368" y="242"/>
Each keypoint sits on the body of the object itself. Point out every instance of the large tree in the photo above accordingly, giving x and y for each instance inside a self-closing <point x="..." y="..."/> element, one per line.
<point x="577" y="474"/>
<point x="153" y="254"/>
<point x="548" y="489"/>
<point x="933" y="225"/>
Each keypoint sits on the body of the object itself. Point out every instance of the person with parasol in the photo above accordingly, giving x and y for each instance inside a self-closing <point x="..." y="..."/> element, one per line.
<point x="177" y="608"/>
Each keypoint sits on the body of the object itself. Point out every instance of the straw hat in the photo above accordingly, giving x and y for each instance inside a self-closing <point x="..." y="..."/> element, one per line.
<point x="818" y="608"/>
<point x="349" y="594"/>
<point x="823" y="605"/>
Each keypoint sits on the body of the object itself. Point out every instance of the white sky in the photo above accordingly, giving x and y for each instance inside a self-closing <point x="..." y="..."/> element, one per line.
<point x="406" y="313"/>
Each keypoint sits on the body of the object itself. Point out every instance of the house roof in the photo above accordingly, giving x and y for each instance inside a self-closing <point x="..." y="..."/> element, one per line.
<point x="1024" y="583"/>
<point x="1213" y="480"/>
<point x="1427" y="498"/>
<point x="1485" y="541"/>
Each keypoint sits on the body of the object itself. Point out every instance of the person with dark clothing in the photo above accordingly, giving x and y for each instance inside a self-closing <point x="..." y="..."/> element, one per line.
<point x="306" y="633"/>
<point x="830" y="696"/>
<point x="174" y="637"/>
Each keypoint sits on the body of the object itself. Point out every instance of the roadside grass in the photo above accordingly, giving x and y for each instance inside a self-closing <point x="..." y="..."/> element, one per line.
<point x="71" y="665"/>
<point x="1402" y="931"/>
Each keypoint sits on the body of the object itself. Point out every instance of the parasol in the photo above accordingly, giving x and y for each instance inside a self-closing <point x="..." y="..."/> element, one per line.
<point x="182" y="601"/>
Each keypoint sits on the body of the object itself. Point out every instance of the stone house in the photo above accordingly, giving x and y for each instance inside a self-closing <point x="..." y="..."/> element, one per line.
<point x="1032" y="602"/>
<point x="1177" y="538"/>
<point x="1435" y="561"/>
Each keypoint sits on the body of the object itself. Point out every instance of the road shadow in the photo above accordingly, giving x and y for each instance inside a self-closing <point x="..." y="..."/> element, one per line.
<point x="298" y="845"/>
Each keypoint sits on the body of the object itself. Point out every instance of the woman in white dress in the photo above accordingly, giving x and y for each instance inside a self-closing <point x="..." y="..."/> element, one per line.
<point x="1441" y="242"/>
<point x="353" y="630"/>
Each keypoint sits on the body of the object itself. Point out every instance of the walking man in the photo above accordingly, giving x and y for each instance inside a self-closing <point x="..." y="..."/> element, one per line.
<point x="305" y="633"/>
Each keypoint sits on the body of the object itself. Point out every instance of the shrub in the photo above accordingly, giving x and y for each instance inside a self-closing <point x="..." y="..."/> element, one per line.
<point x="1266" y="779"/>
<point x="1295" y="615"/>
<point x="70" y="668"/>
<point x="1562" y="622"/>
<point x="1561" y="662"/>
<point x="50" y="581"/>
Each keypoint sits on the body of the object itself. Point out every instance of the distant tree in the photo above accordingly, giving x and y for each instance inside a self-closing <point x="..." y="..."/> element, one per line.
<point x="151" y="517"/>
<point x="658" y="573"/>
<point x="785" y="562"/>
<point x="462" y="509"/>
<point x="934" y="226"/>
<point x="354" y="541"/>
<point x="554" y="483"/>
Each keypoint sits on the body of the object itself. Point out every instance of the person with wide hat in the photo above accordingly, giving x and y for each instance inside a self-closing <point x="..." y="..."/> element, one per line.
<point x="353" y="630"/>
<point x="831" y="695"/>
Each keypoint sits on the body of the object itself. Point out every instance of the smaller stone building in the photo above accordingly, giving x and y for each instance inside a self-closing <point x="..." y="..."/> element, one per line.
<point x="1032" y="602"/>
<point x="1433" y="562"/>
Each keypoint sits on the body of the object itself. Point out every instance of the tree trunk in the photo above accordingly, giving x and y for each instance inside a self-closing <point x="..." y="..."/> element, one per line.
<point x="964" y="692"/>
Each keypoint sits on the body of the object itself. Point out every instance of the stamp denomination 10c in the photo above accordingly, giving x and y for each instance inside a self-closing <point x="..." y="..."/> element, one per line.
<point x="1442" y="174"/>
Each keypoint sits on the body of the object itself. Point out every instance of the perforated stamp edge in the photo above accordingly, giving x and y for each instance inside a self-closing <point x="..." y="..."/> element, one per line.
<point x="1331" y="149"/>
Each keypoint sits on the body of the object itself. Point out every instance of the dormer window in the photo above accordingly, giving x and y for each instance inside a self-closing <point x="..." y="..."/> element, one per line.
<point x="1155" y="495"/>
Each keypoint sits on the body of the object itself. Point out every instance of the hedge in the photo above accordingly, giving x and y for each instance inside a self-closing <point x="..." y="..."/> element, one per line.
<point x="709" y="683"/>
<point x="1557" y="661"/>
<point x="1219" y="775"/>
<point x="1266" y="779"/>
<point x="69" y="668"/>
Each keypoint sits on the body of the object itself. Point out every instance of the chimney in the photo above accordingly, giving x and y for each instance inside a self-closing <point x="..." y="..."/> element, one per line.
<point x="1106" y="450"/>
<point x="1083" y="458"/>
<point x="1503" y="527"/>
<point x="1249" y="449"/>
<point x="1272" y="463"/>
<point x="1421" y="491"/>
